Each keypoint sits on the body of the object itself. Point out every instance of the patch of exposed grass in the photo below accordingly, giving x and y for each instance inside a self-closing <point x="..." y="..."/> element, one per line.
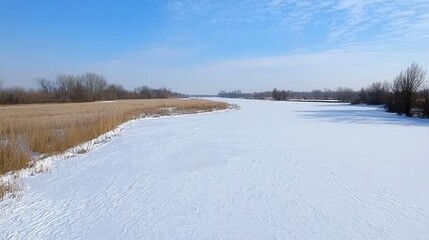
<point x="10" y="186"/>
<point x="53" y="128"/>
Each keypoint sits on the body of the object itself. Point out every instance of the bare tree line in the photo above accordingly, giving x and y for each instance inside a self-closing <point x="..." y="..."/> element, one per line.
<point x="408" y="94"/>
<point x="341" y="93"/>
<point x="406" y="90"/>
<point x="78" y="88"/>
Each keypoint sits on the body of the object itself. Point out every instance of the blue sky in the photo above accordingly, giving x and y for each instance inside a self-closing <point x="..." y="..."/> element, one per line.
<point x="203" y="46"/>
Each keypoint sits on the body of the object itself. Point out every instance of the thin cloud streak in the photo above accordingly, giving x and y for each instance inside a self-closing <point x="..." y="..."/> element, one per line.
<point x="379" y="19"/>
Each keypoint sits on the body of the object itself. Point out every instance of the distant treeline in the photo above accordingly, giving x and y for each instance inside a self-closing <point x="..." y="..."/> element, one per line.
<point x="341" y="94"/>
<point x="78" y="88"/>
<point x="408" y="94"/>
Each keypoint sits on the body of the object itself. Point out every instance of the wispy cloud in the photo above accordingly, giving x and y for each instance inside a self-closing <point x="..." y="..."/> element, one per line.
<point x="382" y="20"/>
<point x="345" y="21"/>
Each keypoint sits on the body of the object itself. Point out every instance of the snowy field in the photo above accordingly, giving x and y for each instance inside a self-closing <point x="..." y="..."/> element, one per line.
<point x="271" y="170"/>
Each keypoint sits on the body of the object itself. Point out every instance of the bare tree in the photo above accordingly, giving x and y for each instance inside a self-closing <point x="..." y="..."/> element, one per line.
<point x="316" y="94"/>
<point x="377" y="93"/>
<point x="405" y="88"/>
<point x="95" y="85"/>
<point x="47" y="89"/>
<point x="45" y="85"/>
<point x="275" y="94"/>
<point x="114" y="92"/>
<point x="67" y="85"/>
<point x="345" y="94"/>
<point x="144" y="92"/>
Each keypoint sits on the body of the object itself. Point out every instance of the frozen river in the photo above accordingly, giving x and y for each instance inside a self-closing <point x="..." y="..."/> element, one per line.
<point x="271" y="170"/>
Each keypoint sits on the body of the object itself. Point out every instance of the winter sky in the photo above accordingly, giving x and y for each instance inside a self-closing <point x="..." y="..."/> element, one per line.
<point x="203" y="46"/>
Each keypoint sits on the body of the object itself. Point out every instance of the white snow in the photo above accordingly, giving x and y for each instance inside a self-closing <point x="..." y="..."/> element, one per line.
<point x="271" y="170"/>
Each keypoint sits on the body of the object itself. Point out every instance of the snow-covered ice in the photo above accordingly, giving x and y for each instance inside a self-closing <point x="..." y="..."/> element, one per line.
<point x="271" y="170"/>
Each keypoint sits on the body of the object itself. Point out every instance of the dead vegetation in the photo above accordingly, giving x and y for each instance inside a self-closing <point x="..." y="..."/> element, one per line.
<point x="47" y="129"/>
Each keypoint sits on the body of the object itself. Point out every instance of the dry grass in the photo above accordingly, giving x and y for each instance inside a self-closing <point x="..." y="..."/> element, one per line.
<point x="11" y="186"/>
<point x="53" y="128"/>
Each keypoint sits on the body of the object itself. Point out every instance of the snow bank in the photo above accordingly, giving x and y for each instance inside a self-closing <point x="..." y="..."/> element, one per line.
<point x="41" y="163"/>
